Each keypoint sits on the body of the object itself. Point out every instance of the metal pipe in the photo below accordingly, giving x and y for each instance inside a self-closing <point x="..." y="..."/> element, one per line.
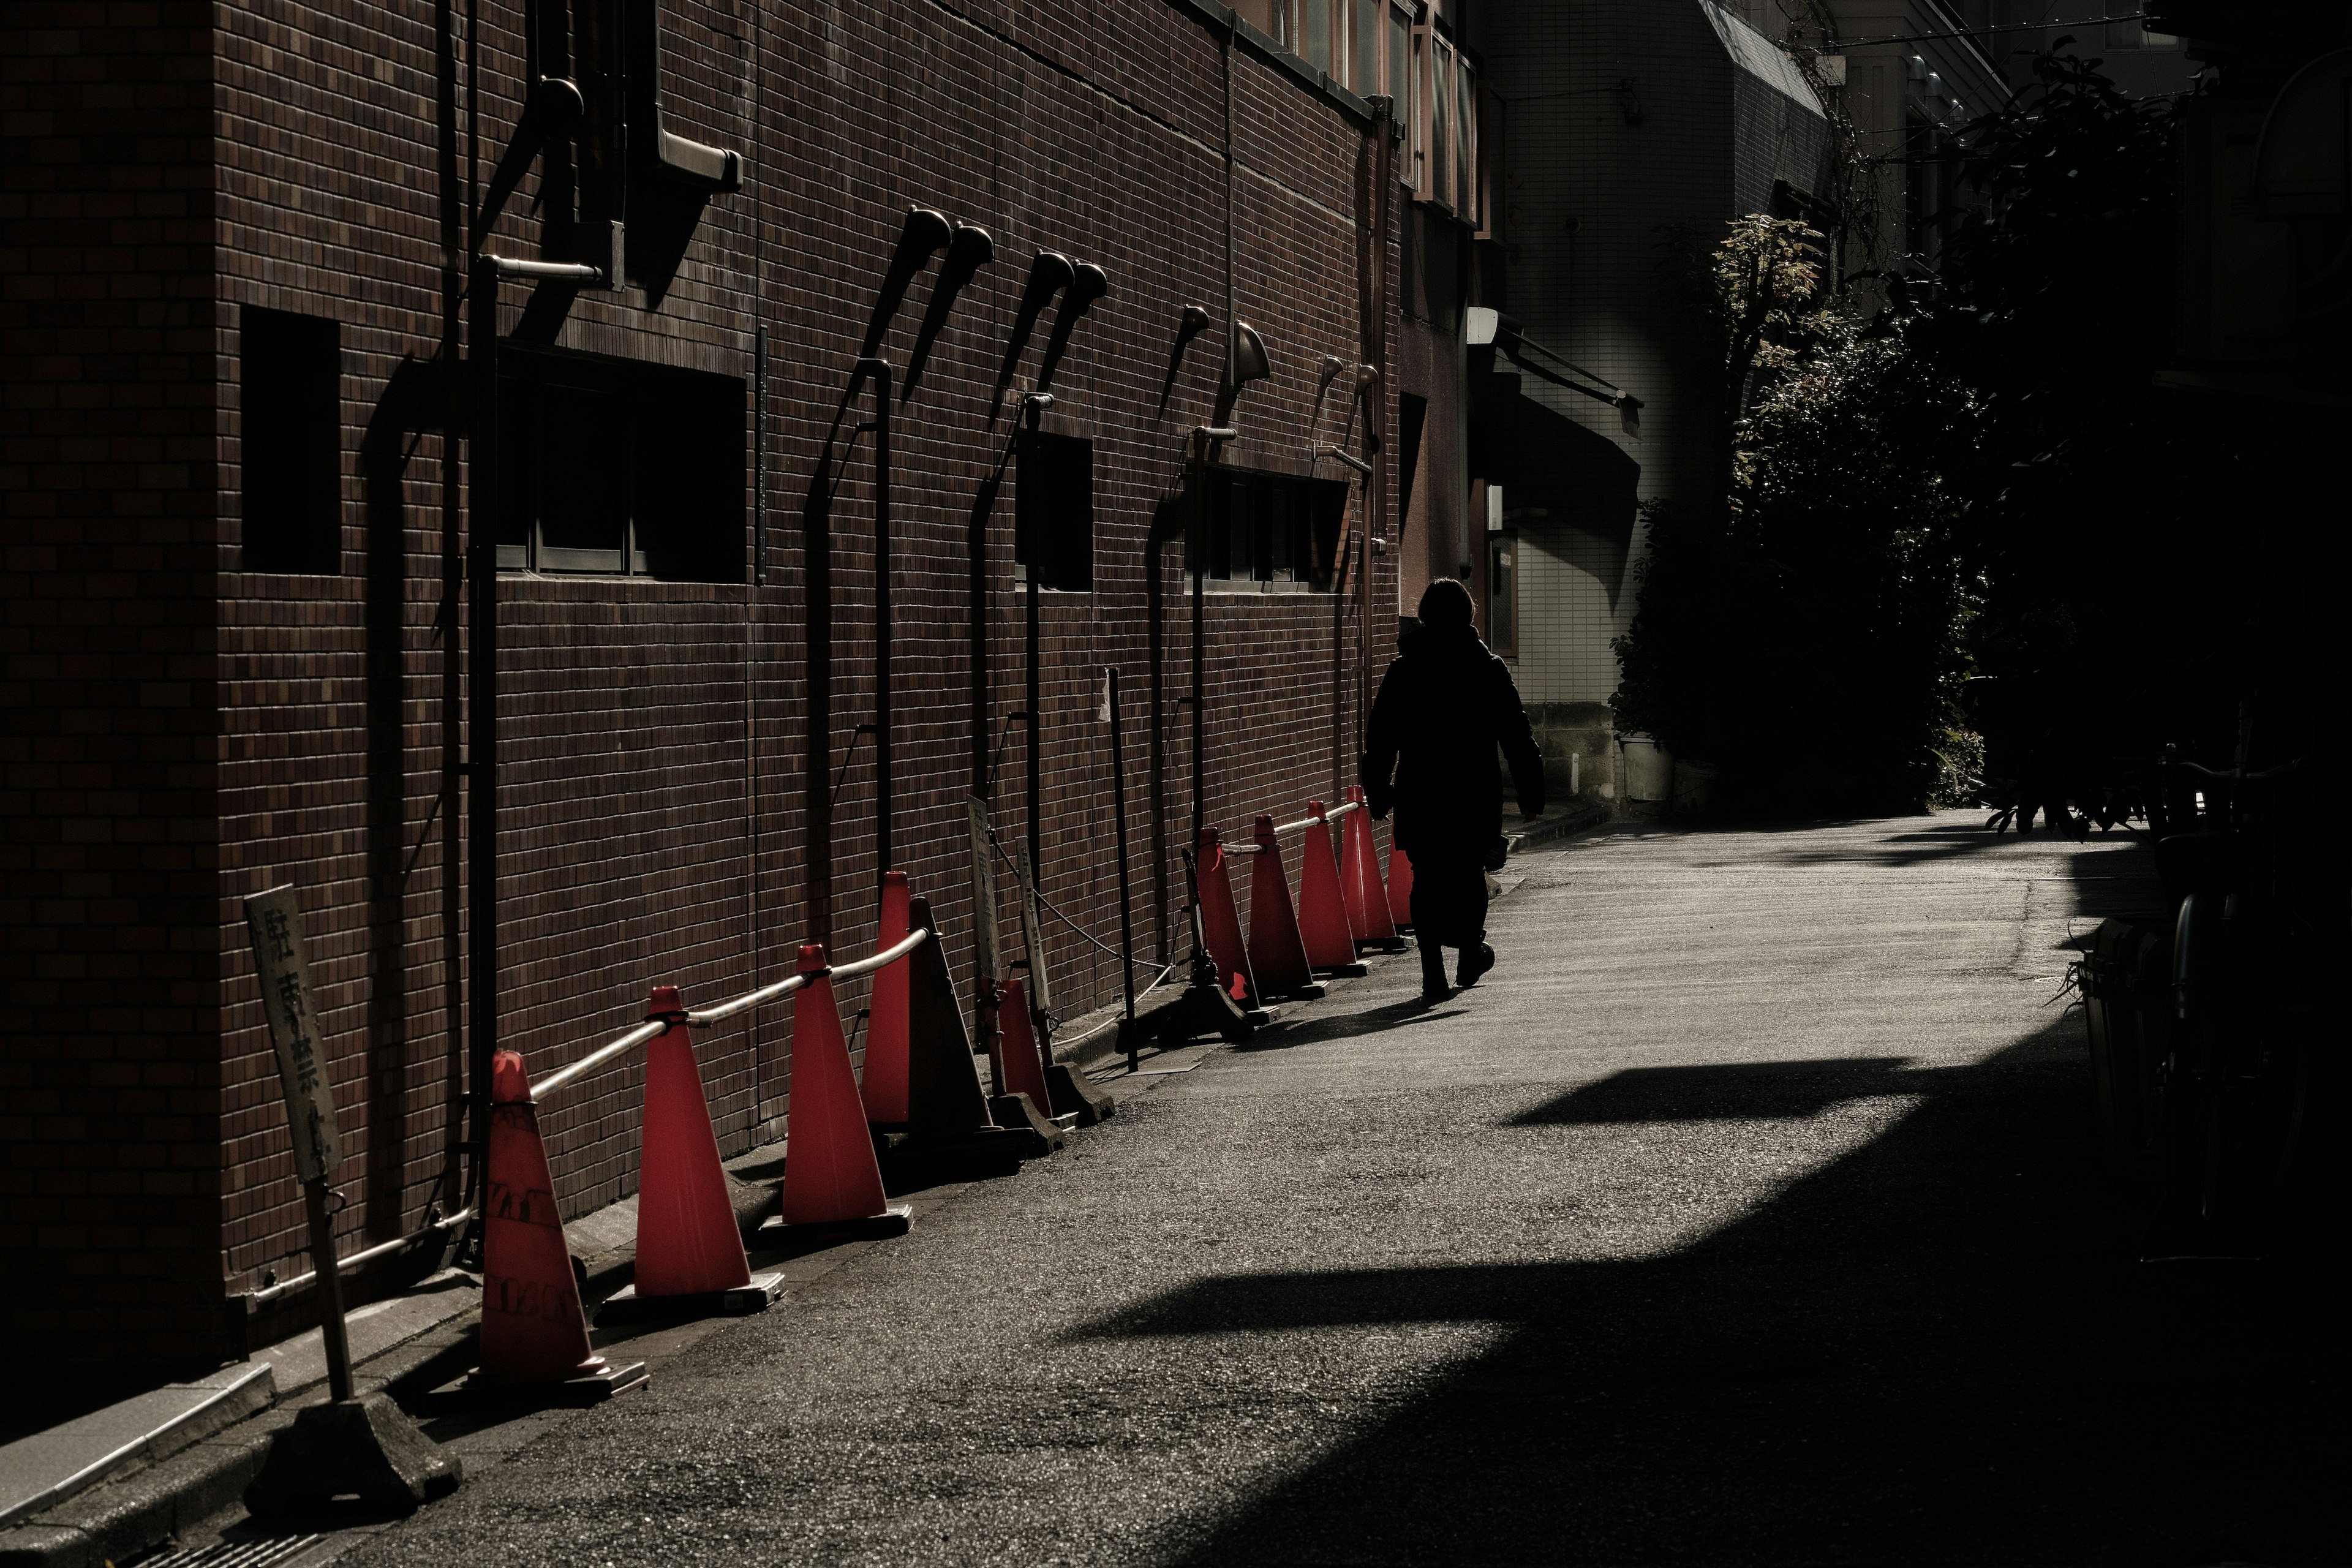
<point x="760" y="457"/>
<point x="750" y="999"/>
<point x="1198" y="548"/>
<point x="595" y="1058"/>
<point x="1034" y="698"/>
<point x="877" y="370"/>
<point x="1301" y="825"/>
<point x="1126" y="885"/>
<point x="366" y="1254"/>
<point x="888" y="955"/>
<point x="481" y="766"/>
<point x="575" y="271"/>
<point x="1376" y="345"/>
<point x="653" y="1028"/>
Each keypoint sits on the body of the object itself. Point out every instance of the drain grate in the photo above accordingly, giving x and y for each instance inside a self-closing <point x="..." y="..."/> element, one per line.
<point x="237" y="1553"/>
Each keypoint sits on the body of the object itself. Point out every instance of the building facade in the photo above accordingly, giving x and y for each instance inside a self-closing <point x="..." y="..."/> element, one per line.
<point x="414" y="409"/>
<point x="1630" y="135"/>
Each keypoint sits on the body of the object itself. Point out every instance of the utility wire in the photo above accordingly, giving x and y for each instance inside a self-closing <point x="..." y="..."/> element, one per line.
<point x="1066" y="921"/>
<point x="1836" y="43"/>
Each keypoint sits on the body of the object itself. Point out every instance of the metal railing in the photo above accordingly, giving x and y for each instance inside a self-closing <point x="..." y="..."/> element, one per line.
<point x="563" y="1076"/>
<point x="1301" y="825"/>
<point x="701" y="1017"/>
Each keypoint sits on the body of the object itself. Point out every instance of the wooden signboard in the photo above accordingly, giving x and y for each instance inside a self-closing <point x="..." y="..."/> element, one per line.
<point x="273" y="923"/>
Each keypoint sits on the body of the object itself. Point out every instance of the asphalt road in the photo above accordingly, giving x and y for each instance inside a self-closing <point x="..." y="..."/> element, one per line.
<point x="1745" y="1213"/>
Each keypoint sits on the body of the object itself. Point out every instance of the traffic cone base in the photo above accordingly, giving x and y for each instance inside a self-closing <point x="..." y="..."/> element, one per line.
<point x="1019" y="1114"/>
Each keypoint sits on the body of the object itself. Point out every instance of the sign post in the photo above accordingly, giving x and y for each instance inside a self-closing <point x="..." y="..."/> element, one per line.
<point x="274" y="925"/>
<point x="352" y="1447"/>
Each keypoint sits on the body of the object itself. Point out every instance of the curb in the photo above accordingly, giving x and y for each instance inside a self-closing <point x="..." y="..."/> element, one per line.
<point x="159" y="1489"/>
<point x="1545" y="831"/>
<point x="119" y="1521"/>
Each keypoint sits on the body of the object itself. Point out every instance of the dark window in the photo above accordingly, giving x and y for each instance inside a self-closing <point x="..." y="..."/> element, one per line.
<point x="1412" y="413"/>
<point x="618" y="466"/>
<point x="292" y="440"/>
<point x="1054" y="512"/>
<point x="1273" y="529"/>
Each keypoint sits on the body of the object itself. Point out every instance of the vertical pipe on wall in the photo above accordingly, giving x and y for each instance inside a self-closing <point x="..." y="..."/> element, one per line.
<point x="759" y="457"/>
<point x="1376" y="417"/>
<point x="481" y="764"/>
<point x="1198" y="548"/>
<point x="1126" y="885"/>
<point x="1155" y="614"/>
<point x="878" y="371"/>
<point x="1037" y="758"/>
<point x="816" y="662"/>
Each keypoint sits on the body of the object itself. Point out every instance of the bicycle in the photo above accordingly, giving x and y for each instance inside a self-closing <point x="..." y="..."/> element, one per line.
<point x="2233" y="1095"/>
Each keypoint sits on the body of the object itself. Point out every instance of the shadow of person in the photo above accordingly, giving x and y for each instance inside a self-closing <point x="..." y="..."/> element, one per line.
<point x="1925" y="1352"/>
<point x="1349" y="1025"/>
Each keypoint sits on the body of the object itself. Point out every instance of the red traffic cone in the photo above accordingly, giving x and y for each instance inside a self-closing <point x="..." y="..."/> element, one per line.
<point x="1221" y="922"/>
<point x="1360" y="875"/>
<point x="832" y="1184"/>
<point x="1400" y="885"/>
<point x="533" y="1331"/>
<point x="883" y="1085"/>
<point x="1277" y="956"/>
<point x="1024" y="1066"/>
<point x="1323" y="925"/>
<point x="689" y="1249"/>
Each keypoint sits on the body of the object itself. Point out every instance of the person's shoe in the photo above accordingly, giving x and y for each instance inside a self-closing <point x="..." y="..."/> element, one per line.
<point x="1433" y="987"/>
<point x="1476" y="961"/>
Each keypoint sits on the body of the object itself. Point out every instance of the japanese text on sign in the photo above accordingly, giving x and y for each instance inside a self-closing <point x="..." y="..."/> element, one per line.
<point x="274" y="925"/>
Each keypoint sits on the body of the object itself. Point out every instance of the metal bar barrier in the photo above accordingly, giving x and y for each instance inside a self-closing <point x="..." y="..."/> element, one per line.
<point x="564" y="1077"/>
<point x="886" y="957"/>
<point x="595" y="1058"/>
<point x="1301" y="825"/>
<point x="365" y="1254"/>
<point x="652" y="1029"/>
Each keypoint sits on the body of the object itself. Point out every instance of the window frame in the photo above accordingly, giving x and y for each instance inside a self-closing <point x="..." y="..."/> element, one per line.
<point x="1265" y="573"/>
<point x="627" y="384"/>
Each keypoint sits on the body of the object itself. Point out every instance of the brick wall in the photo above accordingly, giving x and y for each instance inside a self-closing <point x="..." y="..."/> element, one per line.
<point x="654" y="747"/>
<point x="109" y="1066"/>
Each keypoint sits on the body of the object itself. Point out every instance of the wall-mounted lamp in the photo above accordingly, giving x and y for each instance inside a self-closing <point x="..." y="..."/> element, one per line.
<point x="1245" y="361"/>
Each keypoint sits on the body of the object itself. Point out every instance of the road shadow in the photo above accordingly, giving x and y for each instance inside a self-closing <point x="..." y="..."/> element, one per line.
<point x="1936" y="1350"/>
<point x="1379" y="1020"/>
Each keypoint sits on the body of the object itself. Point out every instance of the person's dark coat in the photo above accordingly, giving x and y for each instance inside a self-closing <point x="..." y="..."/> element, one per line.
<point x="1444" y="706"/>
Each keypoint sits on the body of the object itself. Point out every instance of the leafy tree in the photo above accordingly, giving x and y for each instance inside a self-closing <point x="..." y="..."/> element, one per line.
<point x="1977" y="514"/>
<point x="2104" y="628"/>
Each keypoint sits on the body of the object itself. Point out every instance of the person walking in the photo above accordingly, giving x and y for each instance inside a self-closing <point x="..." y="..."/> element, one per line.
<point x="1444" y="707"/>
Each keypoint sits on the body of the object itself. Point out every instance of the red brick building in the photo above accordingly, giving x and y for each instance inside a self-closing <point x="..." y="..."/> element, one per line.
<point x="243" y="339"/>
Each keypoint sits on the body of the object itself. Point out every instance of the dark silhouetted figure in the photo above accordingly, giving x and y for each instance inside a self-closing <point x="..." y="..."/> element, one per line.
<point x="1446" y="704"/>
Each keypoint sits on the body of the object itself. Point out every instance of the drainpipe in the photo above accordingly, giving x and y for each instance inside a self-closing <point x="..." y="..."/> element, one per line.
<point x="877" y="370"/>
<point x="1376" y="418"/>
<point x="480" y="767"/>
